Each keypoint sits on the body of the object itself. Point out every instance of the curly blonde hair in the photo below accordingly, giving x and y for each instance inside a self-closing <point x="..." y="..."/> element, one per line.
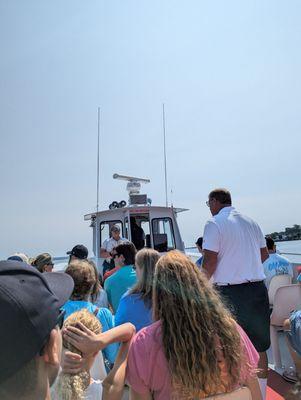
<point x="72" y="387"/>
<point x="200" y="338"/>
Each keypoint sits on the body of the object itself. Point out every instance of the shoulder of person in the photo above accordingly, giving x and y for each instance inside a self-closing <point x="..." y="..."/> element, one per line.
<point x="109" y="280"/>
<point x="147" y="335"/>
<point x="282" y="258"/>
<point x="211" y="226"/>
<point x="105" y="242"/>
<point x="126" y="295"/>
<point x="104" y="312"/>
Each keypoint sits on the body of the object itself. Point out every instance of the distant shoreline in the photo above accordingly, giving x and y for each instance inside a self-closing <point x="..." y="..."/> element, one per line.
<point x="286" y="240"/>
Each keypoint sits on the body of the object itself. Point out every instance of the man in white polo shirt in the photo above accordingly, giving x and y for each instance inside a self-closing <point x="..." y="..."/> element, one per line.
<point x="234" y="249"/>
<point x="107" y="247"/>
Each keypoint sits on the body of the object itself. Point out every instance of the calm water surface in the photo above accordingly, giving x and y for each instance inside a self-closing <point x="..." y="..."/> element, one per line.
<point x="291" y="250"/>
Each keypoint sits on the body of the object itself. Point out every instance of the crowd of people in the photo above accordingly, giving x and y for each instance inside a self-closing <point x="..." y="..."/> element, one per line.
<point x="158" y="324"/>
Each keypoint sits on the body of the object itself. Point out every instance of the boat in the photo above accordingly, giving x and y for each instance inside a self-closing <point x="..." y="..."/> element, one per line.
<point x="157" y="225"/>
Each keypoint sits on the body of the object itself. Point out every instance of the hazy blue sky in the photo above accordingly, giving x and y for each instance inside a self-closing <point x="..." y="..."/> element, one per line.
<point x="228" y="72"/>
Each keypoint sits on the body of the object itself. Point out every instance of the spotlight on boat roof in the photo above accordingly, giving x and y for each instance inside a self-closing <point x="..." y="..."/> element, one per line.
<point x="115" y="204"/>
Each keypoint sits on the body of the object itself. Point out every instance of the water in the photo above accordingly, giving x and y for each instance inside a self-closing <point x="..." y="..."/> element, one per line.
<point x="293" y="248"/>
<point x="290" y="249"/>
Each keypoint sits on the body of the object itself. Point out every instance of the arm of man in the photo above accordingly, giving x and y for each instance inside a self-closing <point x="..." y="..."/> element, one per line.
<point x="209" y="262"/>
<point x="104" y="253"/>
<point x="264" y="254"/>
<point x="211" y="246"/>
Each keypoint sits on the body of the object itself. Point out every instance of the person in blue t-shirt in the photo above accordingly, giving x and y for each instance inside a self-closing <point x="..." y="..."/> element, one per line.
<point x="136" y="305"/>
<point x="124" y="277"/>
<point x="275" y="264"/>
<point x="84" y="278"/>
<point x="199" y="245"/>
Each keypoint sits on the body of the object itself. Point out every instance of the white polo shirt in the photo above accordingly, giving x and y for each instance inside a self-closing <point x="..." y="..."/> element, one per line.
<point x="110" y="243"/>
<point x="237" y="239"/>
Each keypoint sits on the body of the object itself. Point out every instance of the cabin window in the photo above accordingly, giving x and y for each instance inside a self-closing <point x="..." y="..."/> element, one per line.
<point x="105" y="228"/>
<point x="163" y="235"/>
<point x="140" y="230"/>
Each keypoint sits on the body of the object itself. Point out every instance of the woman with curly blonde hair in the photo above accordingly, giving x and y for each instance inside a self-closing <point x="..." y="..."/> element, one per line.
<point x="195" y="349"/>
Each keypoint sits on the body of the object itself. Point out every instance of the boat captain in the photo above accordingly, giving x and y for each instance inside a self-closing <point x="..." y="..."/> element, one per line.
<point x="108" y="245"/>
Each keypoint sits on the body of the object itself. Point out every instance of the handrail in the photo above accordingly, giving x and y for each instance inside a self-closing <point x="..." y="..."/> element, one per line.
<point x="290" y="254"/>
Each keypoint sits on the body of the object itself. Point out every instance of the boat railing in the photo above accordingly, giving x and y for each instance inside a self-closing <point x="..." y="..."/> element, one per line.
<point x="289" y="254"/>
<point x="279" y="252"/>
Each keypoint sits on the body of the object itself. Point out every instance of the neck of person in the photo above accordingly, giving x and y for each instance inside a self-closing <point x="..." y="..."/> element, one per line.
<point x="223" y="206"/>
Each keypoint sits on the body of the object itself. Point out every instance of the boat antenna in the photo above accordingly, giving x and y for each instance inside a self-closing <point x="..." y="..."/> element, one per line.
<point x="98" y="135"/>
<point x="165" y="167"/>
<point x="97" y="193"/>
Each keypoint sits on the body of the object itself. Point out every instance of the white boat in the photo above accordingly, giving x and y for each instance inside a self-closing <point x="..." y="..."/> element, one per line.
<point x="157" y="225"/>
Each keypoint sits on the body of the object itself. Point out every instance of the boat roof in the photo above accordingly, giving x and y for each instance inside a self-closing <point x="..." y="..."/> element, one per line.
<point x="134" y="210"/>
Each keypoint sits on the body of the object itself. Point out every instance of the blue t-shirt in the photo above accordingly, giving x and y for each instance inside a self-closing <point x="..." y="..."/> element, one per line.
<point x="276" y="265"/>
<point x="133" y="309"/>
<point x="118" y="283"/>
<point x="105" y="318"/>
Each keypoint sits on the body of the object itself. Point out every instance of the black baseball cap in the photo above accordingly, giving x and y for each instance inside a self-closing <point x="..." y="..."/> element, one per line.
<point x="79" y="251"/>
<point x="30" y="307"/>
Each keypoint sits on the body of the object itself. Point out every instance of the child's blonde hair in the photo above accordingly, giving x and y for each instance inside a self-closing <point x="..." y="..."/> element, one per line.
<point x="70" y="386"/>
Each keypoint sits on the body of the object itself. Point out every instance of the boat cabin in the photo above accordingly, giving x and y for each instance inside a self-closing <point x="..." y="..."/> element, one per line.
<point x="143" y="224"/>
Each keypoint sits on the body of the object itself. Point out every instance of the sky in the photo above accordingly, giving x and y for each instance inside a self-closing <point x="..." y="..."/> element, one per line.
<point x="228" y="73"/>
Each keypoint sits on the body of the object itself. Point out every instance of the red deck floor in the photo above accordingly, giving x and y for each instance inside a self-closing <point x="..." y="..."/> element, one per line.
<point x="278" y="388"/>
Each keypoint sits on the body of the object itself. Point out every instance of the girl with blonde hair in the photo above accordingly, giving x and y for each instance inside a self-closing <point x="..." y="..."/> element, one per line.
<point x="195" y="349"/>
<point x="136" y="305"/>
<point x="79" y="385"/>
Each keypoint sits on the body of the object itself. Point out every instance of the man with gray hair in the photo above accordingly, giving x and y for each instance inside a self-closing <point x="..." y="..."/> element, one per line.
<point x="108" y="246"/>
<point x="234" y="250"/>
